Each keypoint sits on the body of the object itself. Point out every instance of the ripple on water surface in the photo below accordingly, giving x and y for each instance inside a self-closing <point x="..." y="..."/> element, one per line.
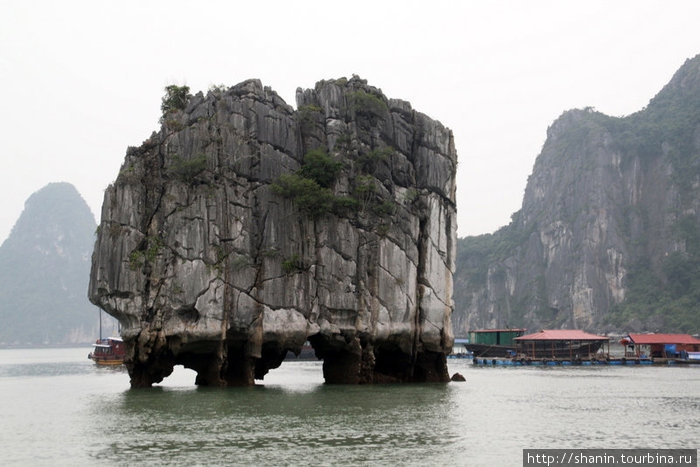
<point x="58" y="405"/>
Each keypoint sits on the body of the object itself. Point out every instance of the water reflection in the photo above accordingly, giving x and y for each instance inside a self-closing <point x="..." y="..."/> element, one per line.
<point x="73" y="410"/>
<point x="325" y="424"/>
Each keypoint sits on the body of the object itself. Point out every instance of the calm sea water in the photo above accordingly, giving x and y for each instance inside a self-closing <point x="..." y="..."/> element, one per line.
<point x="58" y="408"/>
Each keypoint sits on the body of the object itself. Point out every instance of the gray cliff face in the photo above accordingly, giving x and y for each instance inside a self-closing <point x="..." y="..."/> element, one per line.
<point x="611" y="208"/>
<point x="206" y="262"/>
<point x="44" y="267"/>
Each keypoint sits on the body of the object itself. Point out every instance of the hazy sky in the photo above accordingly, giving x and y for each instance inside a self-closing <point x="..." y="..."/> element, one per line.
<point x="82" y="80"/>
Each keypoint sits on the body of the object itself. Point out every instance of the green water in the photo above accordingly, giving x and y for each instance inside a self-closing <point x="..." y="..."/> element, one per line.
<point x="57" y="408"/>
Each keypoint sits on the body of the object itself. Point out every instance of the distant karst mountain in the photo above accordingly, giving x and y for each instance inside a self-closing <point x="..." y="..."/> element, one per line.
<point x="45" y="269"/>
<point x="608" y="235"/>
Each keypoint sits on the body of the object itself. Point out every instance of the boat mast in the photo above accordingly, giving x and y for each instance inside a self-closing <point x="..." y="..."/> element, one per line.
<point x="100" y="315"/>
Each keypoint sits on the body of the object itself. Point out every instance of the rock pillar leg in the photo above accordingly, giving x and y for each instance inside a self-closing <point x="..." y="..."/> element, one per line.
<point x="144" y="375"/>
<point x="148" y="360"/>
<point x="239" y="369"/>
<point x="342" y="368"/>
<point x="431" y="367"/>
<point x="208" y="368"/>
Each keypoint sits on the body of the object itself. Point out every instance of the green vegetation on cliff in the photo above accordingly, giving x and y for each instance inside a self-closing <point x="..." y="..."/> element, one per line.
<point x="668" y="296"/>
<point x="608" y="237"/>
<point x="311" y="187"/>
<point x="175" y="98"/>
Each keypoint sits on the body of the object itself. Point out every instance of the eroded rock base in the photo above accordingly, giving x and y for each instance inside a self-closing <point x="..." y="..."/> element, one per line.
<point x="356" y="363"/>
<point x="225" y="363"/>
<point x="230" y="364"/>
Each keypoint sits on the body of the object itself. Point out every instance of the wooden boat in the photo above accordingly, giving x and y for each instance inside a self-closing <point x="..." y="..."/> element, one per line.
<point x="109" y="351"/>
<point x="493" y="342"/>
<point x="560" y="349"/>
<point x="560" y="343"/>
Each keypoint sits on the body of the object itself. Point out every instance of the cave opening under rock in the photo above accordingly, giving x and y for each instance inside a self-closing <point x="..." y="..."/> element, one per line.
<point x="230" y="363"/>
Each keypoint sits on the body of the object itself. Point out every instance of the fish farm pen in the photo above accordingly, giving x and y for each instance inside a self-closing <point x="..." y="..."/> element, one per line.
<point x="572" y="347"/>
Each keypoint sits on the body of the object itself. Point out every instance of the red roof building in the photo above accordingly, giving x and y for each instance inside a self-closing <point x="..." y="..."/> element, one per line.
<point x="561" y="335"/>
<point x="560" y="343"/>
<point x="647" y="339"/>
<point x="663" y="345"/>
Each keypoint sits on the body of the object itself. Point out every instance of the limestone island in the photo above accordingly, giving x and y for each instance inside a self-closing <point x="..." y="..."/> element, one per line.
<point x="245" y="228"/>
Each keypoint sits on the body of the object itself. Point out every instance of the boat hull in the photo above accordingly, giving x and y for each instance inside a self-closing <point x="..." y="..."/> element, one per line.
<point x="583" y="350"/>
<point x="485" y="350"/>
<point x="106" y="361"/>
<point x="558" y="351"/>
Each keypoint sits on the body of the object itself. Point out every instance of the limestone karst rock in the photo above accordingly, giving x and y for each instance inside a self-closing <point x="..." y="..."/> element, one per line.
<point x="44" y="266"/>
<point x="244" y="228"/>
<point x="608" y="237"/>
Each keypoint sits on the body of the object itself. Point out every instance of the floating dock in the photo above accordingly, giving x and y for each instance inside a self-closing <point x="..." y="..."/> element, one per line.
<point x="582" y="362"/>
<point x="565" y="347"/>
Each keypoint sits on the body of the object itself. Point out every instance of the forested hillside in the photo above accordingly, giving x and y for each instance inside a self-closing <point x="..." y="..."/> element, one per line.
<point x="45" y="269"/>
<point x="608" y="235"/>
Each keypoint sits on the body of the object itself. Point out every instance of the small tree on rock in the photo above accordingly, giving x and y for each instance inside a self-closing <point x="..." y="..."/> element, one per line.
<point x="175" y="98"/>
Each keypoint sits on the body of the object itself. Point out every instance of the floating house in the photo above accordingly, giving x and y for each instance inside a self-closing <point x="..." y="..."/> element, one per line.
<point x="661" y="345"/>
<point x="557" y="344"/>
